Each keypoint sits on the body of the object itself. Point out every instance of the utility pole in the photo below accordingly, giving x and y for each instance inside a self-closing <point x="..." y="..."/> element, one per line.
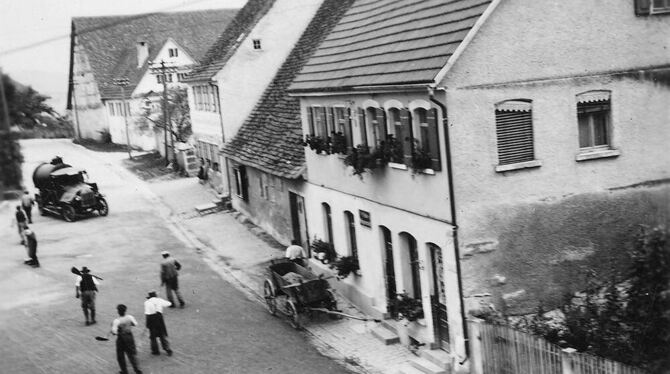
<point x="122" y="83"/>
<point x="162" y="72"/>
<point x="5" y="110"/>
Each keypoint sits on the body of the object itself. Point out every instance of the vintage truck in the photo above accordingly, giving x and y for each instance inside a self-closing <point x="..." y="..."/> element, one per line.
<point x="65" y="191"/>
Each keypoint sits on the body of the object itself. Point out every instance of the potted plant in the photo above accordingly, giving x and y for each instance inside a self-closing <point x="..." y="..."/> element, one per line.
<point x="346" y="265"/>
<point x="361" y="160"/>
<point x="316" y="143"/>
<point x="421" y="159"/>
<point x="338" y="143"/>
<point x="323" y="251"/>
<point x="409" y="309"/>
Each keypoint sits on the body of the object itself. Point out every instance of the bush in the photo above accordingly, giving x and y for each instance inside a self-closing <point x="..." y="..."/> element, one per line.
<point x="346" y="265"/>
<point x="10" y="160"/>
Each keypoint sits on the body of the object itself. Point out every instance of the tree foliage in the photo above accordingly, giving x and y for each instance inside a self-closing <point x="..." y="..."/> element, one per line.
<point x="178" y="113"/>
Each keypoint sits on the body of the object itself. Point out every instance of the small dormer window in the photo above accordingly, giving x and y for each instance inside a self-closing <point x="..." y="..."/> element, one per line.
<point x="173" y="52"/>
<point x="257" y="43"/>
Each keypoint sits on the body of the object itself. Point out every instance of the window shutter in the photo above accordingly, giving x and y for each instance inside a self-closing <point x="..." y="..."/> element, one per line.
<point x="332" y="126"/>
<point x="310" y="120"/>
<point x="323" y="125"/>
<point x="362" y="127"/>
<point x="514" y="131"/>
<point x="348" y="131"/>
<point x="404" y="134"/>
<point x="642" y="7"/>
<point x="245" y="183"/>
<point x="434" y="139"/>
<point x="381" y="120"/>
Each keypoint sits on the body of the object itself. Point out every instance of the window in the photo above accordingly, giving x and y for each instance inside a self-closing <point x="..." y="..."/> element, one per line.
<point x="362" y="127"/>
<point x="593" y="117"/>
<point x="328" y="221"/>
<point x="159" y="78"/>
<point x="514" y="132"/>
<point x="173" y="52"/>
<point x="181" y="76"/>
<point x="257" y="43"/>
<point x="648" y="7"/>
<point x="241" y="182"/>
<point x="110" y="106"/>
<point x="427" y="138"/>
<point x="342" y="124"/>
<point x="351" y="231"/>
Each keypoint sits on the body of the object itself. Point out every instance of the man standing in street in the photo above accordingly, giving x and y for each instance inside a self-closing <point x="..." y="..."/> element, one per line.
<point x="31" y="245"/>
<point x="153" y="311"/>
<point x="86" y="286"/>
<point x="27" y="203"/>
<point x="125" y="342"/>
<point x="21" y="222"/>
<point x="169" y="277"/>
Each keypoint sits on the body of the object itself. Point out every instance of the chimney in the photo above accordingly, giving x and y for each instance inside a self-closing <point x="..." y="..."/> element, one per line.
<point x="142" y="53"/>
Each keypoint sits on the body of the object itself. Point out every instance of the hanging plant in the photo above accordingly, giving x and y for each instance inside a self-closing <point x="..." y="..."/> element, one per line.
<point x="408" y="308"/>
<point x="346" y="265"/>
<point x="421" y="159"/>
<point x="361" y="160"/>
<point x="323" y="251"/>
<point x="316" y="143"/>
<point x="338" y="143"/>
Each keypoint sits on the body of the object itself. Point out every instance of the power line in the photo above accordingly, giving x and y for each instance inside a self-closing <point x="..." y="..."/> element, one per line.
<point x="126" y="19"/>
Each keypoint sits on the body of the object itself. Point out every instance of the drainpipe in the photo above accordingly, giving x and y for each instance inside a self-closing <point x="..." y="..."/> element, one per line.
<point x="223" y="135"/>
<point x="452" y="206"/>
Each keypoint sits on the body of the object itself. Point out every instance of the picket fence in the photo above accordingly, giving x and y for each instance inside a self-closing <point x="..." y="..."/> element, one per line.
<point x="499" y="349"/>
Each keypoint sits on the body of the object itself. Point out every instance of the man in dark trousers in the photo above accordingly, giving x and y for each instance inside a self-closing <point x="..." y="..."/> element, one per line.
<point x="169" y="277"/>
<point x="31" y="244"/>
<point x="153" y="311"/>
<point x="27" y="203"/>
<point x="86" y="286"/>
<point x="21" y="222"/>
<point x="125" y="342"/>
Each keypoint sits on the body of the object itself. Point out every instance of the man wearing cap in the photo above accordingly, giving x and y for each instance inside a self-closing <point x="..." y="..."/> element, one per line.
<point x="27" y="203"/>
<point x="21" y="222"/>
<point x="125" y="342"/>
<point x="86" y="286"/>
<point x="169" y="277"/>
<point x="153" y="311"/>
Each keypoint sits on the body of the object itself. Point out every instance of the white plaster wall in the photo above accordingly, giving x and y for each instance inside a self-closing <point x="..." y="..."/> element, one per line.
<point x="149" y="82"/>
<point x="370" y="285"/>
<point x="88" y="109"/>
<point x="248" y="72"/>
<point x="540" y="39"/>
<point x="420" y="193"/>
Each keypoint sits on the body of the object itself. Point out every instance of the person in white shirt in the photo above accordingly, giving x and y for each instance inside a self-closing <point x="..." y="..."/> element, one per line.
<point x="153" y="311"/>
<point x="295" y="253"/>
<point x="27" y="203"/>
<point x="125" y="342"/>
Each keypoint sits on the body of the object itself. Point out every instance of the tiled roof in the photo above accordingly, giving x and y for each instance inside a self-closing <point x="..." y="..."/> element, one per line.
<point x="110" y="42"/>
<point x="219" y="53"/>
<point x="270" y="139"/>
<point x="389" y="42"/>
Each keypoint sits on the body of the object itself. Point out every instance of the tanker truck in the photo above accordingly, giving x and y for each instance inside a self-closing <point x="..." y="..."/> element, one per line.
<point x="65" y="191"/>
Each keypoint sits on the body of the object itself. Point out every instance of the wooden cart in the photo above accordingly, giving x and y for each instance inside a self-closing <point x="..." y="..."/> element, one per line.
<point x="300" y="291"/>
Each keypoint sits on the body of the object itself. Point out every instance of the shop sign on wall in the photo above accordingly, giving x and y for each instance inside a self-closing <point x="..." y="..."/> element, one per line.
<point x="364" y="218"/>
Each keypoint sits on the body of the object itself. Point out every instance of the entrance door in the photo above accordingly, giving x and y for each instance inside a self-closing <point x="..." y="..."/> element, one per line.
<point x="299" y="221"/>
<point x="439" y="299"/>
<point x="389" y="271"/>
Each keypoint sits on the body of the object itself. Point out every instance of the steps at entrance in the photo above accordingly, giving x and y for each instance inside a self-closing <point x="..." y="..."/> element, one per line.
<point x="428" y="367"/>
<point x="385" y="335"/>
<point x="406" y="368"/>
<point x="437" y="357"/>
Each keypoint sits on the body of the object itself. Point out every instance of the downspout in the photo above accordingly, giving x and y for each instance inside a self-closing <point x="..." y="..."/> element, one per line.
<point x="223" y="135"/>
<point x="452" y="206"/>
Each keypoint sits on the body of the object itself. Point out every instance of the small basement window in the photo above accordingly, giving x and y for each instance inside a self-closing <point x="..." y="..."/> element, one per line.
<point x="257" y="43"/>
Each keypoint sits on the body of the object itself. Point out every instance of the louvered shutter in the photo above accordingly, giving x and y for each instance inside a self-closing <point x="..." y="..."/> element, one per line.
<point x="310" y="120"/>
<point x="642" y="7"/>
<point x="362" y="126"/>
<point x="405" y="135"/>
<point x="514" y="131"/>
<point x="381" y="120"/>
<point x="330" y="118"/>
<point x="433" y="139"/>
<point x="348" y="131"/>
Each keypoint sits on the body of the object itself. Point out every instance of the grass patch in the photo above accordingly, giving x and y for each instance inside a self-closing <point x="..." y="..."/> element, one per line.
<point x="150" y="166"/>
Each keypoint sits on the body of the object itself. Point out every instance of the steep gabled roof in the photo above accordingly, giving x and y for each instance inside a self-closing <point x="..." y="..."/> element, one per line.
<point x="219" y="53"/>
<point x="389" y="42"/>
<point x="110" y="42"/>
<point x="271" y="138"/>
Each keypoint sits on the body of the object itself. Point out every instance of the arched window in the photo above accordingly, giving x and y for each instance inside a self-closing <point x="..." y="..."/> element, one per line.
<point x="351" y="233"/>
<point x="328" y="222"/>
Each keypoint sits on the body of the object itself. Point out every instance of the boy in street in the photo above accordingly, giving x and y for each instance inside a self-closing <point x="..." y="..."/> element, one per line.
<point x="31" y="245"/>
<point x="153" y="311"/>
<point x="27" y="203"/>
<point x="86" y="286"/>
<point x="125" y="342"/>
<point x="169" y="277"/>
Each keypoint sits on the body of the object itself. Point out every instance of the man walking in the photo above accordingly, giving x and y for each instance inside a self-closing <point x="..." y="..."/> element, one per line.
<point x="31" y="245"/>
<point x="153" y="311"/>
<point x="27" y="203"/>
<point x="169" y="277"/>
<point x="21" y="222"/>
<point x="86" y="286"/>
<point x="125" y="342"/>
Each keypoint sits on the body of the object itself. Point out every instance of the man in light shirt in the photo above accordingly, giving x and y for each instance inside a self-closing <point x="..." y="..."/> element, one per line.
<point x="27" y="203"/>
<point x="295" y="253"/>
<point x="86" y="287"/>
<point x="125" y="342"/>
<point x="153" y="311"/>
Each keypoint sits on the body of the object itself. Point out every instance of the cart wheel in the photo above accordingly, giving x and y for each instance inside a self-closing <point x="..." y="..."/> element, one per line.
<point x="292" y="313"/>
<point x="332" y="305"/>
<point x="269" y="293"/>
<point x="69" y="214"/>
<point x="103" y="208"/>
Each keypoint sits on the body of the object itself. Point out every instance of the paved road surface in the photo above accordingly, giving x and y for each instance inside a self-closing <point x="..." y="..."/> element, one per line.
<point x="41" y="323"/>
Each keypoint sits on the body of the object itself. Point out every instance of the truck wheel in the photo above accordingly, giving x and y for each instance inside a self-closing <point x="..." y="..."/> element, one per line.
<point x="68" y="213"/>
<point x="103" y="208"/>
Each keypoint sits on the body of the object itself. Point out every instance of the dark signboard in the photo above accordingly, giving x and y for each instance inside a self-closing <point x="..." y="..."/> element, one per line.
<point x="365" y="218"/>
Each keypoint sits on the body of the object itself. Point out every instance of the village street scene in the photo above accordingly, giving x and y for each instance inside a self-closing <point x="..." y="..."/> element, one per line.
<point x="335" y="186"/>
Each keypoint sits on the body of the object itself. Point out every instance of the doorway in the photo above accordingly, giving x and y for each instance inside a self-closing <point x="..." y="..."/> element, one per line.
<point x="438" y="298"/>
<point x="389" y="273"/>
<point x="299" y="221"/>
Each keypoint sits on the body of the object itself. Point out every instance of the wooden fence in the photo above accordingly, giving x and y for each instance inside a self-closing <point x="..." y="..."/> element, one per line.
<point x="499" y="349"/>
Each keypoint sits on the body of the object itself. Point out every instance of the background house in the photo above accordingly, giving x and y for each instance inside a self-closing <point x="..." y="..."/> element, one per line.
<point x="107" y="48"/>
